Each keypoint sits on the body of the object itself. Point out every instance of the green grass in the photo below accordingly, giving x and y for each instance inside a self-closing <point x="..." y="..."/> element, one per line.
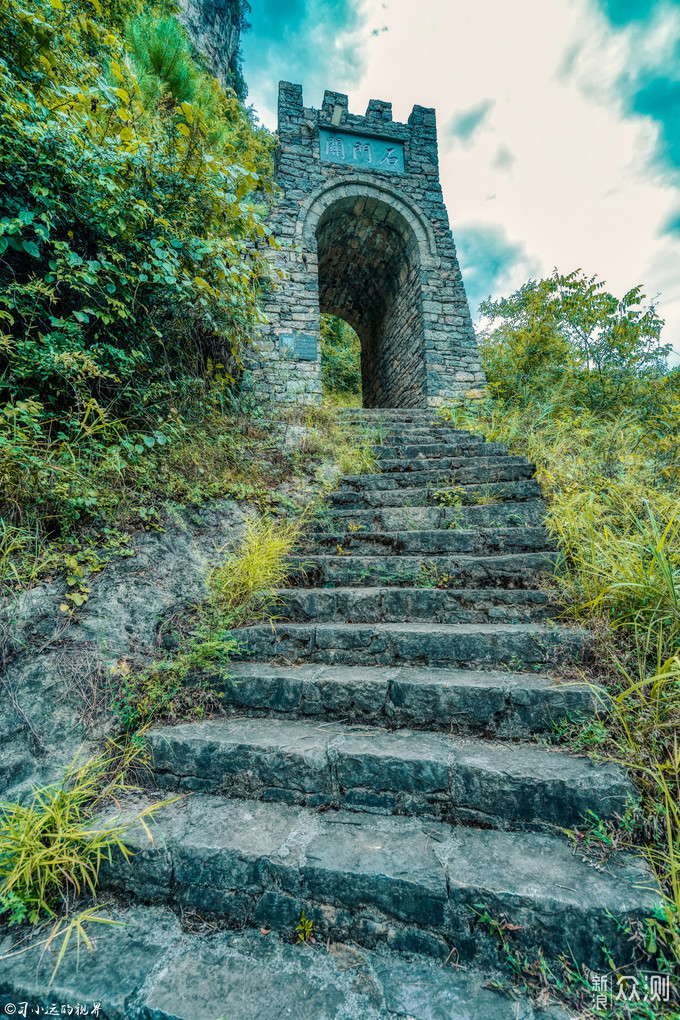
<point x="244" y="585"/>
<point x="613" y="488"/>
<point x="52" y="845"/>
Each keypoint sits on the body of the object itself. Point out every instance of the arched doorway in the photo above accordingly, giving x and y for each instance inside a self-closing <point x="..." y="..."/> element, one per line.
<point x="364" y="235"/>
<point x="369" y="274"/>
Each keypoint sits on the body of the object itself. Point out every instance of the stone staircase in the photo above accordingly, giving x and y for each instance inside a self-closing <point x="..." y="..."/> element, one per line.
<point x="379" y="769"/>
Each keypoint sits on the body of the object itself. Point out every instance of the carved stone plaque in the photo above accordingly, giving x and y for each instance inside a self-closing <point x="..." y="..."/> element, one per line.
<point x="301" y="347"/>
<point x="306" y="347"/>
<point x="384" y="154"/>
<point x="287" y="344"/>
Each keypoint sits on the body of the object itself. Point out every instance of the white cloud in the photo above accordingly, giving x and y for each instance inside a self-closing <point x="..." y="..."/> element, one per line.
<point x="580" y="190"/>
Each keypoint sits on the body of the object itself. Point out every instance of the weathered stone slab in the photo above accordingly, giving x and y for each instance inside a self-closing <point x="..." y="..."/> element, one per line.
<point x="371" y="495"/>
<point x="380" y="880"/>
<point x="406" y="772"/>
<point x="465" y="646"/>
<point x="418" y="605"/>
<point x="149" y="968"/>
<point x="436" y="542"/>
<point x="496" y="704"/>
<point x="513" y="570"/>
<point x="529" y="513"/>
<point x="479" y="471"/>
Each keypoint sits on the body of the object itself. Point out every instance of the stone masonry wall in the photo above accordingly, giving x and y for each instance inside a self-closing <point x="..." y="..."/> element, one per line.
<point x="396" y="375"/>
<point x="365" y="236"/>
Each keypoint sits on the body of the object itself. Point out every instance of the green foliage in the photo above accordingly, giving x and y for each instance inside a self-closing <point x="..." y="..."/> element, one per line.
<point x="130" y="263"/>
<point x="357" y="456"/>
<point x="567" y="337"/>
<point x="340" y="358"/>
<point x="242" y="587"/>
<point x="458" y="495"/>
<point x="330" y="437"/>
<point x="582" y="390"/>
<point x="125" y="241"/>
<point x="245" y="583"/>
<point x="52" y="845"/>
<point x="576" y="986"/>
<point x="164" y="690"/>
<point x="304" y="930"/>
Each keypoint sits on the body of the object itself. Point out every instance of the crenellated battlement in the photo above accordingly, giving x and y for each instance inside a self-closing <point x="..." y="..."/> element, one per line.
<point x="368" y="237"/>
<point x="299" y="124"/>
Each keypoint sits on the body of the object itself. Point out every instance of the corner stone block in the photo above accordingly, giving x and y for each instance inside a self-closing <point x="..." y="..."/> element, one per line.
<point x="378" y="110"/>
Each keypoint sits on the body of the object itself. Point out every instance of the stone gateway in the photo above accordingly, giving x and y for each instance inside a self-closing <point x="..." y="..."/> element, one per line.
<point x="365" y="237"/>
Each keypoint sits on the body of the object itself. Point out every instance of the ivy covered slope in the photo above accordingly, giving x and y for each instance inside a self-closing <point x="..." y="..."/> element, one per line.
<point x="131" y="257"/>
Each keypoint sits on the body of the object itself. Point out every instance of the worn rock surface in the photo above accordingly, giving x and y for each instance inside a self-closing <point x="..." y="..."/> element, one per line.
<point x="162" y="972"/>
<point x="214" y="29"/>
<point x="56" y="668"/>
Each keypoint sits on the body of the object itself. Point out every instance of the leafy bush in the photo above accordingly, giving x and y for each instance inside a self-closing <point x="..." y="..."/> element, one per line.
<point x="130" y="261"/>
<point x="567" y="339"/>
<point x="127" y="234"/>
<point x="583" y="391"/>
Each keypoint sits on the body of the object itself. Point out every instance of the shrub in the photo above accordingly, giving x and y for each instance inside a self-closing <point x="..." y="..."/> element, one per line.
<point x="340" y="359"/>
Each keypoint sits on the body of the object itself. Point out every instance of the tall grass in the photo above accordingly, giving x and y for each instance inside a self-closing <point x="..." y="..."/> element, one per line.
<point x="613" y="489"/>
<point x="52" y="846"/>
<point x="246" y="582"/>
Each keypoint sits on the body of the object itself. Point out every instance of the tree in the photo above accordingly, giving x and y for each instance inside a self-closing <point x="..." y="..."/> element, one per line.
<point x="340" y="356"/>
<point x="568" y="331"/>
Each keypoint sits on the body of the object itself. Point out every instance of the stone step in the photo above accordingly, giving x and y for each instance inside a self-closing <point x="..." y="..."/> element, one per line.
<point x="475" y="446"/>
<point x="503" y="705"/>
<point x="492" y="492"/>
<point x="463" y="646"/>
<point x="529" y="513"/>
<point x="438" y="463"/>
<point x="478" y="541"/>
<point x="396" y="417"/>
<point x="479" y="471"/>
<point x="387" y="881"/>
<point x="415" y="434"/>
<point x="519" y="570"/>
<point x="437" y="431"/>
<point x="408" y="772"/>
<point x="151" y="964"/>
<point x="417" y="605"/>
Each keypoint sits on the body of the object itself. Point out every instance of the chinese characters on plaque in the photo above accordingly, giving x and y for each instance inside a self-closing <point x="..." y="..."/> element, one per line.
<point x="299" y="346"/>
<point x="360" y="151"/>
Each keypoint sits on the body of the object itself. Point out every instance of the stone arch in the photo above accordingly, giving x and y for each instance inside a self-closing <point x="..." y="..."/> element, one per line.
<point x="364" y="235"/>
<point x="370" y="247"/>
<point x="361" y="186"/>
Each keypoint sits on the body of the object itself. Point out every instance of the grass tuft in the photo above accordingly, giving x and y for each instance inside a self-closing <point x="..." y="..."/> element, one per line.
<point x="52" y="846"/>
<point x="245" y="584"/>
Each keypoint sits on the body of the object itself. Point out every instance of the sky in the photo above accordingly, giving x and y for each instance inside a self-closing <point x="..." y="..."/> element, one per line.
<point x="558" y="123"/>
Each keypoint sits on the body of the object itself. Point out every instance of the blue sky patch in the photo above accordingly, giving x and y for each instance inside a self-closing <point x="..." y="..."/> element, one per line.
<point x="309" y="42"/>
<point x="464" y="125"/>
<point x="622" y="12"/>
<point x="490" y="261"/>
<point x="659" y="98"/>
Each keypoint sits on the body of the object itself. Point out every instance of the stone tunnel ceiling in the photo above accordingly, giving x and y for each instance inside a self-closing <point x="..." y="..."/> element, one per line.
<point x="369" y="275"/>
